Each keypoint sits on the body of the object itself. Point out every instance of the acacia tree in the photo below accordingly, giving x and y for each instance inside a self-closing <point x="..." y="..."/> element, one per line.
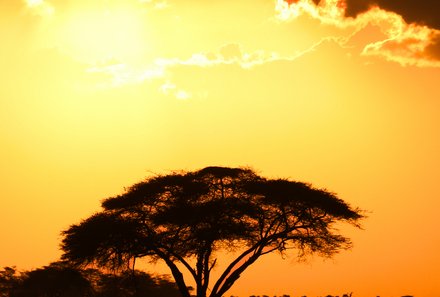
<point x="184" y="218"/>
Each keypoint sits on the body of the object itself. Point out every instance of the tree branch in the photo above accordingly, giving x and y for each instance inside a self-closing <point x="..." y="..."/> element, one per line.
<point x="184" y="262"/>
<point x="231" y="266"/>
<point x="206" y="269"/>
<point x="235" y="275"/>
<point x="178" y="276"/>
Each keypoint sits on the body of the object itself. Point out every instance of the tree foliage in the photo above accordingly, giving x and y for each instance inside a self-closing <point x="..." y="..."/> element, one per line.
<point x="184" y="218"/>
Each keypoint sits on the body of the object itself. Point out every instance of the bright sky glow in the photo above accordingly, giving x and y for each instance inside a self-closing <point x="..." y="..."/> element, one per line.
<point x="105" y="35"/>
<point x="34" y="2"/>
<point x="97" y="94"/>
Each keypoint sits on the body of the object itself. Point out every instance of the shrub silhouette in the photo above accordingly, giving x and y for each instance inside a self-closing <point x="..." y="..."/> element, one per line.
<point x="55" y="280"/>
<point x="61" y="280"/>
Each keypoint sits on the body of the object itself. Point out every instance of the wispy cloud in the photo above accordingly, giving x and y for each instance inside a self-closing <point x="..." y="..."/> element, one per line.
<point x="170" y="89"/>
<point x="122" y="74"/>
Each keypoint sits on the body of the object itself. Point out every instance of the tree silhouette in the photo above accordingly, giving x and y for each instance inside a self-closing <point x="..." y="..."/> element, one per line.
<point x="184" y="218"/>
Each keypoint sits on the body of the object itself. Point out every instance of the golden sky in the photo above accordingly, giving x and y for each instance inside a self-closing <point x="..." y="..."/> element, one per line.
<point x="97" y="94"/>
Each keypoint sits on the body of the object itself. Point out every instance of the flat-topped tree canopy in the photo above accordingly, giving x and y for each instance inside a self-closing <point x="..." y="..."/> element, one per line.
<point x="190" y="215"/>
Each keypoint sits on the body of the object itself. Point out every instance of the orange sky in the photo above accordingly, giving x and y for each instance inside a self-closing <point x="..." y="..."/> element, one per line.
<point x="97" y="94"/>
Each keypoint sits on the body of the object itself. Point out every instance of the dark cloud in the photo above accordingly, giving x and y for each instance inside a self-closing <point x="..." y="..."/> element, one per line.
<point x="426" y="12"/>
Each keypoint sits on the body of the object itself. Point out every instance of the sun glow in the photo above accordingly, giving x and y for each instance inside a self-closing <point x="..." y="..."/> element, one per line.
<point x="40" y="7"/>
<point x="34" y="2"/>
<point x="96" y="36"/>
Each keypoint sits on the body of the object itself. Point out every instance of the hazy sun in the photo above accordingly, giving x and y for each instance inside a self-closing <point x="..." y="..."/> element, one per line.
<point x="34" y="2"/>
<point x="100" y="35"/>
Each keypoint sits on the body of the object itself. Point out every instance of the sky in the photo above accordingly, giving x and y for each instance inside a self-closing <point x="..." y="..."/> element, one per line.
<point x="96" y="95"/>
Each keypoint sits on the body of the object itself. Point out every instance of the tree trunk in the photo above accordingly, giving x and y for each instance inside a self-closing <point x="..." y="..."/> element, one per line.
<point x="178" y="276"/>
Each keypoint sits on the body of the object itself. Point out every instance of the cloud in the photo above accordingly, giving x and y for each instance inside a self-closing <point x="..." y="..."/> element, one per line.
<point x="328" y="12"/>
<point x="123" y="74"/>
<point x="413" y="46"/>
<point x="433" y="49"/>
<point x="232" y="54"/>
<point x="405" y="40"/>
<point x="425" y="12"/>
<point x="161" y="71"/>
<point x="115" y="73"/>
<point x="169" y="88"/>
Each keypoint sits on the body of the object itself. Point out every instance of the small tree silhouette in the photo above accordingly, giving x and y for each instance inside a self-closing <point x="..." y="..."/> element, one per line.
<point x="10" y="278"/>
<point x="55" y="280"/>
<point x="134" y="284"/>
<point x="185" y="217"/>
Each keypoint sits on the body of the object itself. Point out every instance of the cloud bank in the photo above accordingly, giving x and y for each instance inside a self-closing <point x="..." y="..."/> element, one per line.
<point x="424" y="12"/>
<point x="411" y="35"/>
